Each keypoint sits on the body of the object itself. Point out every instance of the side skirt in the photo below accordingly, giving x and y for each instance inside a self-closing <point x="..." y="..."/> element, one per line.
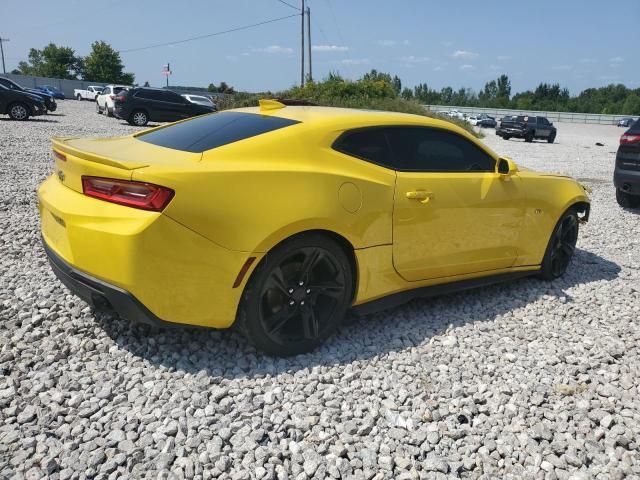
<point x="396" y="299"/>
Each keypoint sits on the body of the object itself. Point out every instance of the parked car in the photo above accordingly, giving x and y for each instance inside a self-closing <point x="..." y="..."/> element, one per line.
<point x="626" y="175"/>
<point x="200" y="100"/>
<point x="20" y="105"/>
<point x="90" y="93"/>
<point x="140" y="105"/>
<point x="53" y="91"/>
<point x="281" y="218"/>
<point x="105" y="101"/>
<point x="527" y="127"/>
<point x="626" y="122"/>
<point x="485" y="121"/>
<point x="49" y="101"/>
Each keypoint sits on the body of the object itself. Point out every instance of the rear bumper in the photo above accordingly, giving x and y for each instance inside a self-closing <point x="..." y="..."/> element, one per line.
<point x="134" y="259"/>
<point x="627" y="180"/>
<point x="99" y="294"/>
<point x="511" y="132"/>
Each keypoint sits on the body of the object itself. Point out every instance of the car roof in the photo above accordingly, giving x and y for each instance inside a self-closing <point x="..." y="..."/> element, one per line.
<point x="350" y="117"/>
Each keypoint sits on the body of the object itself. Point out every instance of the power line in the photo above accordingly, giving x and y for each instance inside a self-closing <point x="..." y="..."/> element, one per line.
<point x="200" y="37"/>
<point x="335" y="22"/>
<point x="289" y="5"/>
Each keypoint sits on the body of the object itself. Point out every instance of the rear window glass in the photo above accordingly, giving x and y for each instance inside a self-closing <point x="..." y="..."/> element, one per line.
<point x="211" y="131"/>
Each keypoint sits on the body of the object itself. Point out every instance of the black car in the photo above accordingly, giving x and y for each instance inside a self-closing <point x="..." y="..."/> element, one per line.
<point x="527" y="127"/>
<point x="20" y="105"/>
<point x="138" y="106"/>
<point x="48" y="99"/>
<point x="626" y="175"/>
<point x="484" y="120"/>
<point x="625" y="122"/>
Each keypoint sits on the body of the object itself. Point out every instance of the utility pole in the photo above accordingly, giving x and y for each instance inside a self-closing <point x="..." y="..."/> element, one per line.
<point x="309" y="42"/>
<point x="4" y="70"/>
<point x="168" y="73"/>
<point x="302" y="45"/>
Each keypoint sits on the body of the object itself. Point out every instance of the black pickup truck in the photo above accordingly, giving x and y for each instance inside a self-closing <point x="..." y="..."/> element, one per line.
<point x="527" y="127"/>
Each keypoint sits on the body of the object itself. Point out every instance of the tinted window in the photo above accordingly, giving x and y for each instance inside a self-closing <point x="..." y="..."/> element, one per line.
<point x="118" y="89"/>
<point x="433" y="150"/>
<point x="149" y="94"/>
<point x="370" y="144"/>
<point x="211" y="131"/>
<point x="172" y="97"/>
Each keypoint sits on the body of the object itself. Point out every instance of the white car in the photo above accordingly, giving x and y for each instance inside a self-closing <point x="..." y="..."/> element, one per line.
<point x="105" y="100"/>
<point x="200" y="100"/>
<point x="90" y="93"/>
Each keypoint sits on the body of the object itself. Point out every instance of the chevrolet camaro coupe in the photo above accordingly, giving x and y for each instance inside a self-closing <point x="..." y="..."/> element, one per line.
<point x="279" y="219"/>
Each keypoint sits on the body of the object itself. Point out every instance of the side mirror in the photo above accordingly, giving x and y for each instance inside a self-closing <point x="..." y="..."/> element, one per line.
<point x="506" y="167"/>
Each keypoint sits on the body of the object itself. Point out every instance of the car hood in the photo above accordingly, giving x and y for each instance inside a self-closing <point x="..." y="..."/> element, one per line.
<point x="38" y="93"/>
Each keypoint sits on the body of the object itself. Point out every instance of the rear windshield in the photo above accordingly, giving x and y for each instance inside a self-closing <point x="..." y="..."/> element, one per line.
<point x="211" y="131"/>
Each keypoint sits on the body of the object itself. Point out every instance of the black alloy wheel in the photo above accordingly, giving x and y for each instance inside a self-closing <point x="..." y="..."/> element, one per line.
<point x="298" y="297"/>
<point x="561" y="248"/>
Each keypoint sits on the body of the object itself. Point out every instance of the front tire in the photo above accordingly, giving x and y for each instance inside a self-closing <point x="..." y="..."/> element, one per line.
<point x="551" y="138"/>
<point x="297" y="296"/>
<point x="98" y="108"/>
<point x="626" y="200"/>
<point x="561" y="247"/>
<point x="528" y="137"/>
<point x="18" y="111"/>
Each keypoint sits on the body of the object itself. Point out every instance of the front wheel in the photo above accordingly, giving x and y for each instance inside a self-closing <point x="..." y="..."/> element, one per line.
<point x="626" y="200"/>
<point x="561" y="247"/>
<point x="528" y="137"/>
<point x="506" y="137"/>
<point x="79" y="97"/>
<point x="551" y="138"/>
<point x="18" y="111"/>
<point x="98" y="108"/>
<point x="297" y="297"/>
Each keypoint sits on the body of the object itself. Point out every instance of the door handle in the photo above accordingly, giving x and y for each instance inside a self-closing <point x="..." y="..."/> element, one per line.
<point x="421" y="195"/>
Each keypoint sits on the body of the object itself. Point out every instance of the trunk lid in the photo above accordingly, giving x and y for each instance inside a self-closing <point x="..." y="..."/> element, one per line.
<point x="111" y="158"/>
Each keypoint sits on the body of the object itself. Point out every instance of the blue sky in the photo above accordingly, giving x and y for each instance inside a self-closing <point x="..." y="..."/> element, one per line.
<point x="579" y="44"/>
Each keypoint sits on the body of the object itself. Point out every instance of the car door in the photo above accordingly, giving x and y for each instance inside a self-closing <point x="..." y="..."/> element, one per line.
<point x="176" y="107"/>
<point x="544" y="127"/>
<point x="453" y="213"/>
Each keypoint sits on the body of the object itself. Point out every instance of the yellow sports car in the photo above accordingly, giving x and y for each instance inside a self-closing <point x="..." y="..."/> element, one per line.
<point x="278" y="219"/>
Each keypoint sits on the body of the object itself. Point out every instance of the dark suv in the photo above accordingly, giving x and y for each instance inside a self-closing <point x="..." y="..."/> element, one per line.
<point x="527" y="127"/>
<point x="48" y="99"/>
<point x="626" y="176"/>
<point x="138" y="106"/>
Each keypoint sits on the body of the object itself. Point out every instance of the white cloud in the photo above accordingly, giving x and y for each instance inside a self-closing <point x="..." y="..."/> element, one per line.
<point x="329" y="48"/>
<point x="503" y="58"/>
<point x="561" y="67"/>
<point x="438" y="69"/>
<point x="245" y="54"/>
<point x="414" y="59"/>
<point x="271" y="49"/>
<point x="386" y="43"/>
<point x="406" y="43"/>
<point x="447" y="43"/>
<point x="461" y="54"/>
<point x="354" y="61"/>
<point x="616" y="60"/>
<point x="466" y="66"/>
<point x="588" y="60"/>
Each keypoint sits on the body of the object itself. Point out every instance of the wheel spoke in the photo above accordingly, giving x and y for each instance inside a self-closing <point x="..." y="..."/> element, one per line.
<point x="278" y="321"/>
<point x="310" y="261"/>
<point x="310" y="324"/>
<point x="276" y="281"/>
<point x="331" y="289"/>
<point x="568" y="249"/>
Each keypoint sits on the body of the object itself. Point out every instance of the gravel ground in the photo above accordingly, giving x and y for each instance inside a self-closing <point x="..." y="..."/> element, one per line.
<point x="520" y="380"/>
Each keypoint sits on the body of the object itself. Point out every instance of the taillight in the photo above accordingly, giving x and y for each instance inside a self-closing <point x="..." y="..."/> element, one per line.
<point x="628" y="138"/>
<point x="112" y="97"/>
<point x="120" y="98"/>
<point x="59" y="156"/>
<point x="145" y="196"/>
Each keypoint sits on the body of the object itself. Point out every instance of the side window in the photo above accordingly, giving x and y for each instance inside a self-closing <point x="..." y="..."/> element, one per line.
<point x="149" y="94"/>
<point x="369" y="144"/>
<point x="421" y="149"/>
<point x="543" y="121"/>
<point x="172" y="97"/>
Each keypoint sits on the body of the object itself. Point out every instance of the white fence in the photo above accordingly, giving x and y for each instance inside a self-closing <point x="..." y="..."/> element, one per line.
<point x="553" y="116"/>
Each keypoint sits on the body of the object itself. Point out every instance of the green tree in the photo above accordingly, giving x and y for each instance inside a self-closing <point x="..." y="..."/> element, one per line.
<point x="631" y="105"/>
<point x="103" y="64"/>
<point x="504" y="87"/>
<point x="146" y="84"/>
<point x="52" y="61"/>
<point x="407" y="93"/>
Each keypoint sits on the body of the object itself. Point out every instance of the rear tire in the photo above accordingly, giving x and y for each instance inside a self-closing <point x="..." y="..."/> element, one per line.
<point x="528" y="137"/>
<point x="626" y="200"/>
<point x="561" y="246"/>
<point x="98" y="108"/>
<point x="139" y="118"/>
<point x="18" y="111"/>
<point x="506" y="137"/>
<point x="297" y="297"/>
<point x="79" y="97"/>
